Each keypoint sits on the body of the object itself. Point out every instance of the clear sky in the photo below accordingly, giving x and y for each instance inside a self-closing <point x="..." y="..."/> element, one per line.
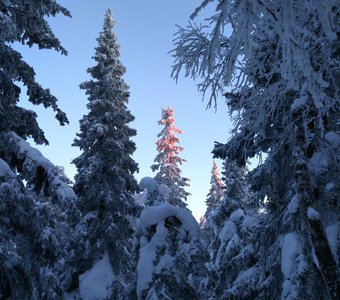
<point x="145" y="32"/>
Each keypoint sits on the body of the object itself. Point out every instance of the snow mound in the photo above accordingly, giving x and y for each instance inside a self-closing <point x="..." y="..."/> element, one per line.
<point x="152" y="215"/>
<point x="149" y="184"/>
<point x="149" y="263"/>
<point x="95" y="283"/>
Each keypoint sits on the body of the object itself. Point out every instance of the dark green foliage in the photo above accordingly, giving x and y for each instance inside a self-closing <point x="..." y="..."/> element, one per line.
<point x="105" y="183"/>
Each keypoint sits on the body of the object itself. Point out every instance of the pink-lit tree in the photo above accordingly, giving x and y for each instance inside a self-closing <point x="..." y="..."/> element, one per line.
<point x="168" y="162"/>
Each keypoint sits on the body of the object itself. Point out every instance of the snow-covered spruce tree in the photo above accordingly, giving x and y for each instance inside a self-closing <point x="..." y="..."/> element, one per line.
<point x="105" y="183"/>
<point x="229" y="230"/>
<point x="213" y="199"/>
<point x="216" y="191"/>
<point x="282" y="59"/>
<point x="168" y="162"/>
<point x="172" y="260"/>
<point x="37" y="210"/>
<point x="32" y="194"/>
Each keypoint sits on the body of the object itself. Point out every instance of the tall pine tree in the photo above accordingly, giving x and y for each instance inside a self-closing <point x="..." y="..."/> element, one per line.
<point x="168" y="162"/>
<point x="105" y="183"/>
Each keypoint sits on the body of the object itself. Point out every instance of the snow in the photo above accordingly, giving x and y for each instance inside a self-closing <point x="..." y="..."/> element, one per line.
<point x="46" y="233"/>
<point x="96" y="282"/>
<point x="147" y="252"/>
<point x="293" y="264"/>
<point x="141" y="198"/>
<point x="165" y="262"/>
<point x="237" y="216"/>
<point x="149" y="249"/>
<point x="313" y="214"/>
<point x="148" y="183"/>
<point x="329" y="187"/>
<point x="333" y="235"/>
<point x="152" y="215"/>
<point x="290" y="250"/>
<point x="288" y="291"/>
<point x="299" y="102"/>
<point x="227" y="232"/>
<point x="318" y="164"/>
<point x="145" y="266"/>
<point x="293" y="205"/>
<point x="5" y="170"/>
<point x="249" y="222"/>
<point x="164" y="190"/>
<point x="333" y="138"/>
<point x="90" y="215"/>
<point x="33" y="159"/>
<point x="249" y="276"/>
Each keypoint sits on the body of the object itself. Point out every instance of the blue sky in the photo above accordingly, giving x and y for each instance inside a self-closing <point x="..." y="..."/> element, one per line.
<point x="145" y="32"/>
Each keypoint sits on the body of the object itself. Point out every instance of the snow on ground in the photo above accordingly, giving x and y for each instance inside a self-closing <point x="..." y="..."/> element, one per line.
<point x="96" y="282"/>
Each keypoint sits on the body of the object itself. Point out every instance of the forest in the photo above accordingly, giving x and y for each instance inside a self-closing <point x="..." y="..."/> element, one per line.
<point x="272" y="232"/>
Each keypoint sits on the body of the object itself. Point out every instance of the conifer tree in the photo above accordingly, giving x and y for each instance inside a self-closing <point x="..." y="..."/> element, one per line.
<point x="17" y="25"/>
<point x="282" y="58"/>
<point x="36" y="203"/>
<point x="105" y="183"/>
<point x="228" y="230"/>
<point x="168" y="162"/>
<point x="216" y="191"/>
